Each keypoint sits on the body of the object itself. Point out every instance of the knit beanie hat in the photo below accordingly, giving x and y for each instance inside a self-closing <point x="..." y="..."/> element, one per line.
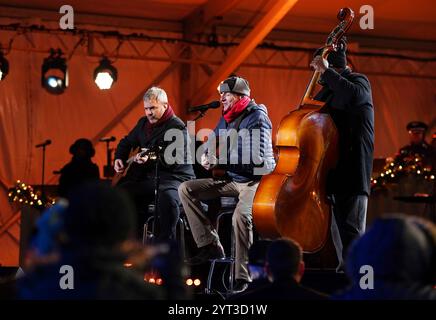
<point x="235" y="85"/>
<point x="338" y="58"/>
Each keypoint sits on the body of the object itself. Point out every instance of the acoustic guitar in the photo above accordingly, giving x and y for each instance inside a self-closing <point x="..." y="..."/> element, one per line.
<point x="150" y="153"/>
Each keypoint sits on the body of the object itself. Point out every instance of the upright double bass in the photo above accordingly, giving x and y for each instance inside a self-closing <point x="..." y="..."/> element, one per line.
<point x="292" y="201"/>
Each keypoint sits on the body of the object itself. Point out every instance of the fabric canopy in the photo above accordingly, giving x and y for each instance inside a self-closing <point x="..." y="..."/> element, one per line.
<point x="30" y="115"/>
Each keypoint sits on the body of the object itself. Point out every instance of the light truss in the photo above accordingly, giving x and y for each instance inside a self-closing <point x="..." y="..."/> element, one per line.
<point x="152" y="48"/>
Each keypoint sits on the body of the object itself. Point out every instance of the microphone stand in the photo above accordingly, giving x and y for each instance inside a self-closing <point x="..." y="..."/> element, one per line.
<point x="201" y="115"/>
<point x="43" y="173"/>
<point x="108" y="170"/>
<point x="156" y="196"/>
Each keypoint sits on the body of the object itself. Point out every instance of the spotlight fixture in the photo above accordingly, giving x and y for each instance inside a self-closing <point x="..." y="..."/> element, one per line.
<point x="54" y="77"/>
<point x="4" y="66"/>
<point x="105" y="74"/>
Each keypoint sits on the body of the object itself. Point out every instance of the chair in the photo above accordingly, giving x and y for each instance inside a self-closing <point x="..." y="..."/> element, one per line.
<point x="148" y="233"/>
<point x="228" y="205"/>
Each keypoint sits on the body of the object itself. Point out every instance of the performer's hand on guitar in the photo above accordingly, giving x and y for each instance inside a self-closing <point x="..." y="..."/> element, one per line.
<point x="118" y="166"/>
<point x="208" y="162"/>
<point x="141" y="159"/>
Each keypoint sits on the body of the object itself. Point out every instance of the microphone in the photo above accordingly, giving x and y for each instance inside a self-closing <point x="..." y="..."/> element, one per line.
<point x="104" y="139"/>
<point x="43" y="144"/>
<point x="204" y="107"/>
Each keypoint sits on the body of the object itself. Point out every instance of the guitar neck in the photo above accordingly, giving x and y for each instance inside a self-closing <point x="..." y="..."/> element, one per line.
<point x="141" y="154"/>
<point x="148" y="152"/>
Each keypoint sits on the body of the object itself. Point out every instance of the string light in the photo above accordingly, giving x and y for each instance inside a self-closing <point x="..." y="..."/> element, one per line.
<point x="398" y="168"/>
<point x="24" y="194"/>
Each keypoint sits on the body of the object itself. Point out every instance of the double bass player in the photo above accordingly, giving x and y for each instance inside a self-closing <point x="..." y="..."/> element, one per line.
<point x="348" y="100"/>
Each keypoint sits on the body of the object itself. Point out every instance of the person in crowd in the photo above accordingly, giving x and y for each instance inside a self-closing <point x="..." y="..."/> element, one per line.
<point x="95" y="238"/>
<point x="285" y="268"/>
<point x="394" y="260"/>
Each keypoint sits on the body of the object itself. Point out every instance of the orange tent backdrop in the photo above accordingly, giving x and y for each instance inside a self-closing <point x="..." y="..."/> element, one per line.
<point x="30" y="115"/>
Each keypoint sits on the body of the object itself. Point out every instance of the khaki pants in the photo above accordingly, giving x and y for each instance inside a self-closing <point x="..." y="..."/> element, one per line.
<point x="194" y="191"/>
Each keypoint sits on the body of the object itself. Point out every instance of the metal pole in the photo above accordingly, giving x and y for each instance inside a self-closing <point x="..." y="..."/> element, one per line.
<point x="43" y="172"/>
<point x="156" y="197"/>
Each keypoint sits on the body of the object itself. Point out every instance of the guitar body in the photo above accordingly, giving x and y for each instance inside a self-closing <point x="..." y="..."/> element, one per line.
<point x="118" y="176"/>
<point x="151" y="153"/>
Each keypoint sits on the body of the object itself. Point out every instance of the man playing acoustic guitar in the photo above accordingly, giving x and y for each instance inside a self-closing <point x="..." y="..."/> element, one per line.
<point x="139" y="182"/>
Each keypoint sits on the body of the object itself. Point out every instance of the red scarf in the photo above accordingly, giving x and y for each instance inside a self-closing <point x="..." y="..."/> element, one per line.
<point x="165" y="117"/>
<point x="235" y="111"/>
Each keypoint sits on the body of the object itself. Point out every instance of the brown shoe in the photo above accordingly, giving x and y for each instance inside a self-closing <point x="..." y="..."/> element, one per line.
<point x="211" y="251"/>
<point x="240" y="286"/>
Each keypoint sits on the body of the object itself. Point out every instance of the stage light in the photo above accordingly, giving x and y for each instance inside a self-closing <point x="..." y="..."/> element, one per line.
<point x="54" y="76"/>
<point x="4" y="66"/>
<point x="105" y="74"/>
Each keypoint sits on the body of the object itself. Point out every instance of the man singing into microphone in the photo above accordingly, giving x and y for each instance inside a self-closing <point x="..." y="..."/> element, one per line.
<point x="140" y="179"/>
<point x="249" y="156"/>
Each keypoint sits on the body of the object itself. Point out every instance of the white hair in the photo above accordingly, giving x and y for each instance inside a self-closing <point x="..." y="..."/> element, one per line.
<point x="157" y="94"/>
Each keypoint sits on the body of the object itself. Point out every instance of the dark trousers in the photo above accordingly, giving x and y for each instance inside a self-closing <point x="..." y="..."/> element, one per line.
<point x="349" y="221"/>
<point x="143" y="194"/>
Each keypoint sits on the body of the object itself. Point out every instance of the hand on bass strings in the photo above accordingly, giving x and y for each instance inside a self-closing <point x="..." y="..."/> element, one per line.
<point x="319" y="64"/>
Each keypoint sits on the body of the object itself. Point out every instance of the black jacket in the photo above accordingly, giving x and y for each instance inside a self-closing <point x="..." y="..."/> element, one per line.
<point x="77" y="172"/>
<point x="348" y="100"/>
<point x="171" y="175"/>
